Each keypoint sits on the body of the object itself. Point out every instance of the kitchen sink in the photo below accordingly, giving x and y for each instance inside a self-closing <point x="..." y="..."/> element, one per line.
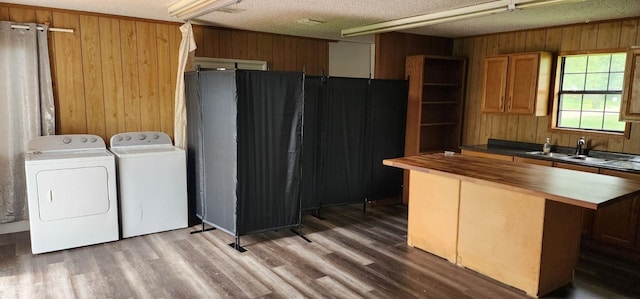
<point x="587" y="159"/>
<point x="550" y="155"/>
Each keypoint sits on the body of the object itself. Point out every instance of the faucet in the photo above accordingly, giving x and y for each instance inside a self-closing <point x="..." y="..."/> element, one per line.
<point x="580" y="146"/>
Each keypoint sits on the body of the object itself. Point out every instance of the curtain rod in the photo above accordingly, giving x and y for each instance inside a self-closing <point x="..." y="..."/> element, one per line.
<point x="42" y="28"/>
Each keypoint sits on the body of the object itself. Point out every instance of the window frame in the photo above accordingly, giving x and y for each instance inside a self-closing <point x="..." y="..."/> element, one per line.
<point x="553" y="120"/>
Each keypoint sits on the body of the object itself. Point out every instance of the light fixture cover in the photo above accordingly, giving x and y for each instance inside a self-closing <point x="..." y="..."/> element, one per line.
<point x="189" y="9"/>
<point x="457" y="14"/>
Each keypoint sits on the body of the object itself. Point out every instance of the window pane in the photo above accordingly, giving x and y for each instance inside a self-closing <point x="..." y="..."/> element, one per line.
<point x="593" y="102"/>
<point x="571" y="102"/>
<point x="573" y="82"/>
<point x="613" y="103"/>
<point x="591" y="120"/>
<point x="598" y="63"/>
<point x="568" y="119"/>
<point x="617" y="62"/>
<point x="597" y="81"/>
<point x="575" y="64"/>
<point x="615" y="81"/>
<point x="612" y="123"/>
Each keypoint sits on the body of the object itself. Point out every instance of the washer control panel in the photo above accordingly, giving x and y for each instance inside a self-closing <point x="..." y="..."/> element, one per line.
<point x="140" y="138"/>
<point x="66" y="142"/>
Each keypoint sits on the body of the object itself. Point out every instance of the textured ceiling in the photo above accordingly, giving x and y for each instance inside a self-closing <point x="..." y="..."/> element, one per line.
<point x="278" y="16"/>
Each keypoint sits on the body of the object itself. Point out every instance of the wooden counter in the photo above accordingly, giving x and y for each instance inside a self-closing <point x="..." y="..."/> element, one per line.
<point x="516" y="223"/>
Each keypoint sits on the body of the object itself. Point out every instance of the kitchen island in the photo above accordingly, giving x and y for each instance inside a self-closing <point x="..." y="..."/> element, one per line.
<point x="516" y="223"/>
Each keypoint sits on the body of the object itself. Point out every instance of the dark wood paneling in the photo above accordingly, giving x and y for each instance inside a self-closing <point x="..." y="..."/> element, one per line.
<point x="392" y="48"/>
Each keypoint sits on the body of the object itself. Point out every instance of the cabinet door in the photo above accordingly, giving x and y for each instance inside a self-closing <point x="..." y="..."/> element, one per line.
<point x="494" y="84"/>
<point x="523" y="83"/>
<point x="617" y="223"/>
<point x="630" y="108"/>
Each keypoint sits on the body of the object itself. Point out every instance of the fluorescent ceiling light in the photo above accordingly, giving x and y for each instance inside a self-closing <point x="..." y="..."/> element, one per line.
<point x="457" y="14"/>
<point x="190" y="9"/>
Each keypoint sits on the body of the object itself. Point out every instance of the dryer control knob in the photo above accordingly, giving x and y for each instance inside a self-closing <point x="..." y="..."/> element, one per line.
<point x="66" y="140"/>
<point x="156" y="136"/>
<point x="119" y="138"/>
<point x="93" y="139"/>
<point x="127" y="137"/>
<point x="142" y="136"/>
<point x="83" y="139"/>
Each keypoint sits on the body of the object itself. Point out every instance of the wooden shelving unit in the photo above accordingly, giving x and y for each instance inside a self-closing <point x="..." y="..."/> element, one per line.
<point x="435" y="106"/>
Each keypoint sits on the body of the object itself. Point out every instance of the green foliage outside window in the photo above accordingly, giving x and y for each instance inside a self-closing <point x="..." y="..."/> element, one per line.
<point x="590" y="92"/>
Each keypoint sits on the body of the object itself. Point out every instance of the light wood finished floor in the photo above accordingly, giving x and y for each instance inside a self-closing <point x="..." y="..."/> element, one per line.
<point x="353" y="255"/>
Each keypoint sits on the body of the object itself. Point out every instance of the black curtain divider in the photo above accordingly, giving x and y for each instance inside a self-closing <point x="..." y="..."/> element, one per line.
<point x="244" y="131"/>
<point x="351" y="125"/>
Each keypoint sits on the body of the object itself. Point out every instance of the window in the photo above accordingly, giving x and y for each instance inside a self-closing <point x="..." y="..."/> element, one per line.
<point x="589" y="92"/>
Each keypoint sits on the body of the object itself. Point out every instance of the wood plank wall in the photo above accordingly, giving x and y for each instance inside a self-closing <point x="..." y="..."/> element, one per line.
<point x="392" y="48"/>
<point x="478" y="127"/>
<point x="116" y="74"/>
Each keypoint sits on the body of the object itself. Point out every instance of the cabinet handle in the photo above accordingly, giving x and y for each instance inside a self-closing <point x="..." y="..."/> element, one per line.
<point x="510" y="99"/>
<point x="501" y="102"/>
<point x="51" y="195"/>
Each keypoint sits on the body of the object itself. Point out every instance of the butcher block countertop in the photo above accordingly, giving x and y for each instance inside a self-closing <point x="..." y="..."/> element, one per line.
<point x="577" y="188"/>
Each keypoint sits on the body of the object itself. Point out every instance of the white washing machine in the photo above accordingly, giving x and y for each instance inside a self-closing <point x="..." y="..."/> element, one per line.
<point x="152" y="183"/>
<point x="71" y="190"/>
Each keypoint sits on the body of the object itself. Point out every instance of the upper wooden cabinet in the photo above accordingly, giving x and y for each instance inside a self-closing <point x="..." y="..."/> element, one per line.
<point x="630" y="108"/>
<point x="435" y="104"/>
<point x="517" y="83"/>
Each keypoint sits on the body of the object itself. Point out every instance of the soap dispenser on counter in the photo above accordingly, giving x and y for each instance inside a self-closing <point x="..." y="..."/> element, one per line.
<point x="546" y="148"/>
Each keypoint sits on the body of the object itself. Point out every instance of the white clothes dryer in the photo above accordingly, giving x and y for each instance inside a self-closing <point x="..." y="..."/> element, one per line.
<point x="152" y="183"/>
<point x="71" y="191"/>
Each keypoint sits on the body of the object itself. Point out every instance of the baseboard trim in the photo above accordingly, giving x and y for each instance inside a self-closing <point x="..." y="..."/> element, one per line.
<point x="14" y="227"/>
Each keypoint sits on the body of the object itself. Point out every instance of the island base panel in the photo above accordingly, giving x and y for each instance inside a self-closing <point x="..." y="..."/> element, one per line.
<point x="433" y="214"/>
<point x="522" y="240"/>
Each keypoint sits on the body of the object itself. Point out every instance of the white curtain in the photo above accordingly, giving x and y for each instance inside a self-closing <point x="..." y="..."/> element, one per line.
<point x="26" y="109"/>
<point x="187" y="46"/>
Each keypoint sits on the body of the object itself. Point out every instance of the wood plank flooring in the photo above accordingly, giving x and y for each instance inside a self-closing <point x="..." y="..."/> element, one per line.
<point x="352" y="255"/>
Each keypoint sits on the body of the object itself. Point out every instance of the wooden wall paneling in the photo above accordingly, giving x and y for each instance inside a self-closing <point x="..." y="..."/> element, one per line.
<point x="472" y="99"/>
<point x="130" y="75"/>
<point x="628" y="32"/>
<point x="323" y="58"/>
<point x="252" y="45"/>
<point x="210" y="43"/>
<point x="553" y="40"/>
<point x="4" y="13"/>
<point x="390" y="57"/>
<point x="22" y="15"/>
<point x="165" y="96"/>
<point x="239" y="44"/>
<point x="112" y="86"/>
<point x="92" y="71"/>
<point x="148" y="76"/>
<point x="278" y="46"/>
<point x="71" y="102"/>
<point x="312" y="65"/>
<point x="290" y="51"/>
<point x="265" y="49"/>
<point x="608" y="35"/>
<point x="490" y="48"/>
<point x="198" y="36"/>
<point x="226" y="47"/>
<point x="301" y="55"/>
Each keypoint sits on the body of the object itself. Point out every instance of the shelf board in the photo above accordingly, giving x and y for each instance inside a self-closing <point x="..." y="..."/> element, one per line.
<point x="439" y="124"/>
<point x="439" y="102"/>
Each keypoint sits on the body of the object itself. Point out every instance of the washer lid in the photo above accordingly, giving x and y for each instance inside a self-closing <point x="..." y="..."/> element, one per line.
<point x="144" y="150"/>
<point x="139" y="139"/>
<point x="68" y="154"/>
